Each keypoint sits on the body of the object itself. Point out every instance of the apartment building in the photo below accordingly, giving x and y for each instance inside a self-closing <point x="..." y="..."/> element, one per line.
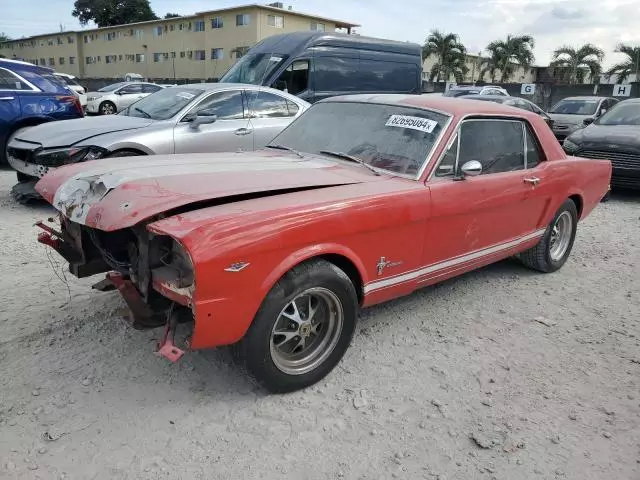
<point x="474" y="66"/>
<point x="197" y="46"/>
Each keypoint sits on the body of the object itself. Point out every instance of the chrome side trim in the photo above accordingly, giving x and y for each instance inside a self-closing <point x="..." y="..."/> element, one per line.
<point x="436" y="267"/>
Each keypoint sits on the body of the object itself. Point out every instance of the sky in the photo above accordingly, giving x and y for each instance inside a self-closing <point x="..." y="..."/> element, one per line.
<point x="552" y="22"/>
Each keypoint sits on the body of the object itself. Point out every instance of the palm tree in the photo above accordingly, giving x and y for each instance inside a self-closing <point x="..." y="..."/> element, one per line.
<point x="577" y="61"/>
<point x="504" y="55"/>
<point x="629" y="66"/>
<point x="450" y="53"/>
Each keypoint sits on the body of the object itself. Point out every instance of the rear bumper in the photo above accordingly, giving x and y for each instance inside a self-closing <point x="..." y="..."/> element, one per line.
<point x="625" y="179"/>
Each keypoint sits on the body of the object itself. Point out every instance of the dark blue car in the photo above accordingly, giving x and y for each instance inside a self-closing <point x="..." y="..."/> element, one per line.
<point x="30" y="95"/>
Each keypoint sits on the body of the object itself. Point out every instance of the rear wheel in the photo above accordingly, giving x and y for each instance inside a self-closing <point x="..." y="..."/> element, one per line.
<point x="302" y="329"/>
<point x="107" y="108"/>
<point x="554" y="248"/>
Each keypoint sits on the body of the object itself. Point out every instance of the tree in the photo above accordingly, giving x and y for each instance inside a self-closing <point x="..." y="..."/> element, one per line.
<point x="171" y="15"/>
<point x="450" y="53"/>
<point x="630" y="65"/>
<point x="577" y="62"/>
<point x="106" y="13"/>
<point x="506" y="54"/>
<point x="4" y="37"/>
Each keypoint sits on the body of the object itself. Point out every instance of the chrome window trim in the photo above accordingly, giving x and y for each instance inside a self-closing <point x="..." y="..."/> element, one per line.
<point x="22" y="79"/>
<point x="205" y="95"/>
<point x="492" y="117"/>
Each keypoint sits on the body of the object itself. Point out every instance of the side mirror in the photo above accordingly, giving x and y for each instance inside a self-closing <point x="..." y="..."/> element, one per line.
<point x="472" y="168"/>
<point x="202" y="120"/>
<point x="588" y="121"/>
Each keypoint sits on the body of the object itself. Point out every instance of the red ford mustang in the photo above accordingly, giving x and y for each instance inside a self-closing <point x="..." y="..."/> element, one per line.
<point x="361" y="200"/>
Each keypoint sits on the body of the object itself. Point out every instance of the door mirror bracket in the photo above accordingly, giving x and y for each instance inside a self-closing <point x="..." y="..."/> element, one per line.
<point x="202" y="120"/>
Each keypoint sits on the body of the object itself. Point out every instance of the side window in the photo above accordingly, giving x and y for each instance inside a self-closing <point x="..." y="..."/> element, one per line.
<point x="535" y="153"/>
<point x="375" y="76"/>
<point x="295" y="79"/>
<point x="335" y="74"/>
<point x="131" y="89"/>
<point x="497" y="144"/>
<point x="226" y="105"/>
<point x="8" y="81"/>
<point x="268" y="105"/>
<point x="146" y="88"/>
<point x="448" y="162"/>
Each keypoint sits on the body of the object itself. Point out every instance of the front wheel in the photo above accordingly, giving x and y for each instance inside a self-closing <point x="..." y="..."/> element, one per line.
<point x="302" y="329"/>
<point x="108" y="108"/>
<point x="554" y="248"/>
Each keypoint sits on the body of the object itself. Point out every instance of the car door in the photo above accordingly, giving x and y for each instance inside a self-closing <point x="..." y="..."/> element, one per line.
<point x="270" y="114"/>
<point x="10" y="88"/>
<point x="127" y="95"/>
<point x="477" y="219"/>
<point x="230" y="132"/>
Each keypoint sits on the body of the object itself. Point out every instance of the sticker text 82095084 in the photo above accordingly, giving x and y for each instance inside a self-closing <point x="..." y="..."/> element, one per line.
<point x="415" y="123"/>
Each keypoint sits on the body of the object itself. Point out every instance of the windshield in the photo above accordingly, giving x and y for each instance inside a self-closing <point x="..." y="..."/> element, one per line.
<point x="621" y="115"/>
<point x="162" y="104"/>
<point x="575" y="107"/>
<point x="253" y="68"/>
<point x="112" y="87"/>
<point x="393" y="138"/>
<point x="460" y="93"/>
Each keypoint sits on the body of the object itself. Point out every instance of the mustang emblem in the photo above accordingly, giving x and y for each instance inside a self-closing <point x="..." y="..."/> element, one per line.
<point x="383" y="263"/>
<point x="236" y="267"/>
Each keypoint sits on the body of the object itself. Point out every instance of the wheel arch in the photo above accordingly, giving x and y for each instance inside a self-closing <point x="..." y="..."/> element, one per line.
<point x="579" y="201"/>
<point x="342" y="257"/>
<point x="136" y="149"/>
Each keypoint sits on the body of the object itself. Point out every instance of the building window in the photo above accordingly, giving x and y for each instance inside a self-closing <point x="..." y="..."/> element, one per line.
<point x="182" y="54"/>
<point x="172" y="27"/>
<point x="276" y="21"/>
<point x="157" y="31"/>
<point x="61" y="60"/>
<point x="317" y="27"/>
<point x="139" y="57"/>
<point x="240" y="51"/>
<point x="88" y="60"/>
<point x="139" y="33"/>
<point x="87" y="39"/>
<point x="157" y="57"/>
<point x="173" y="54"/>
<point x="120" y="57"/>
<point x="199" y="26"/>
<point x="50" y="42"/>
<point x="72" y="60"/>
<point x="111" y="58"/>
<point x="52" y="62"/>
<point x="217" y="22"/>
<point x="217" y="54"/>
<point x="199" y="55"/>
<point x="99" y="58"/>
<point x="242" y="19"/>
<point x="110" y="36"/>
<point x="71" y="39"/>
<point x="59" y="40"/>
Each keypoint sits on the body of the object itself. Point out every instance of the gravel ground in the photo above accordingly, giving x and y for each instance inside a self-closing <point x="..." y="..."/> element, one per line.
<point x="500" y="374"/>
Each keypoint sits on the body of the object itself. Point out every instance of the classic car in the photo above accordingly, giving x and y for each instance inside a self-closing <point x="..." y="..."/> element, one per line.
<point x="614" y="136"/>
<point x="195" y="118"/>
<point x="362" y="199"/>
<point x="573" y="113"/>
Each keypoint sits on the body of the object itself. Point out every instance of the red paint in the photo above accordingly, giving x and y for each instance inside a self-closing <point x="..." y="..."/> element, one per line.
<point x="436" y="229"/>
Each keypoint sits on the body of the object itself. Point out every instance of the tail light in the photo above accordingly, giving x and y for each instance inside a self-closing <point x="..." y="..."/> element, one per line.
<point x="75" y="101"/>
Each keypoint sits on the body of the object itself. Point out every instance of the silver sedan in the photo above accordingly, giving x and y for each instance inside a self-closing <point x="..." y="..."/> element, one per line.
<point x="194" y="118"/>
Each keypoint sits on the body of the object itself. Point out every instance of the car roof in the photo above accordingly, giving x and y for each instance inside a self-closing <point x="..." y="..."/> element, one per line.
<point x="474" y="87"/>
<point x="584" y="97"/>
<point x="492" y="97"/>
<point x="20" y="65"/>
<point x="212" y="87"/>
<point x="456" y="106"/>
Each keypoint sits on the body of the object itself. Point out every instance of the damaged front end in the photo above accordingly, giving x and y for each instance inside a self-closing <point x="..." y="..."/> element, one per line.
<point x="153" y="273"/>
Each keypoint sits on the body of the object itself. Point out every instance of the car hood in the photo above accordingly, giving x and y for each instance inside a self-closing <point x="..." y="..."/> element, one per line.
<point x="560" y="118"/>
<point x="70" y="132"/>
<point x="608" y="137"/>
<point x="124" y="191"/>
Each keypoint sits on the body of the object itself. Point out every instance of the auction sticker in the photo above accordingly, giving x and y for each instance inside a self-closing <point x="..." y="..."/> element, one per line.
<point x="415" y="123"/>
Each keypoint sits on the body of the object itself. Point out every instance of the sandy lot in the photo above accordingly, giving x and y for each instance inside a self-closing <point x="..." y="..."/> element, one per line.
<point x="500" y="374"/>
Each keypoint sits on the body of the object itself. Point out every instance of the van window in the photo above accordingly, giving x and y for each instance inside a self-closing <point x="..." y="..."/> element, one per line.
<point x="253" y="68"/>
<point x="335" y="74"/>
<point x="295" y="78"/>
<point x="376" y="75"/>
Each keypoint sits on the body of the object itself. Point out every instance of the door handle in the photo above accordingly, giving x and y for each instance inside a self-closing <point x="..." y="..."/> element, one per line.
<point x="7" y="98"/>
<point x="532" y="180"/>
<point x="243" y="131"/>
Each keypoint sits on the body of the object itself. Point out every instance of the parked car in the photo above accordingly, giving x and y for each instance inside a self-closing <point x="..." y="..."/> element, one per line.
<point x="72" y="84"/>
<point x="517" y="102"/>
<point x="27" y="98"/>
<point x="317" y="65"/>
<point x="114" y="98"/>
<point x="613" y="136"/>
<point x="199" y="117"/>
<point x="360" y="200"/>
<point x="464" y="90"/>
<point x="570" y="113"/>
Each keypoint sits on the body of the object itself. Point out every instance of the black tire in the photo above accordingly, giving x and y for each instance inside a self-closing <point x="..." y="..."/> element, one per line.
<point x="106" y="105"/>
<point x="124" y="153"/>
<point x="539" y="257"/>
<point x="24" y="178"/>
<point x="254" y="351"/>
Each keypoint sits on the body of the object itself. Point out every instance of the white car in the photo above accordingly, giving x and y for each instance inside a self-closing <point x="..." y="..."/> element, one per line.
<point x="114" y="98"/>
<point x="71" y="82"/>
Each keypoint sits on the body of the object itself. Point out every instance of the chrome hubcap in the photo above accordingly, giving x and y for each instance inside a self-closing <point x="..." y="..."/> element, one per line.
<point x="107" y="109"/>
<point x="306" y="331"/>
<point x="560" y="236"/>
